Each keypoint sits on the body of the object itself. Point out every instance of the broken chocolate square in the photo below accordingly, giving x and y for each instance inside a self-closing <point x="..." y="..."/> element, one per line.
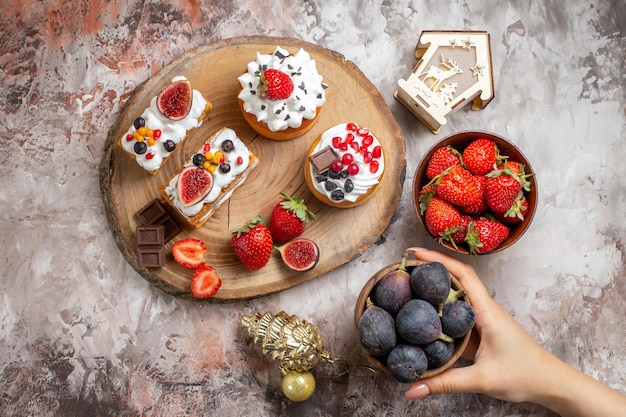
<point x="151" y="212"/>
<point x="150" y="235"/>
<point x="151" y="256"/>
<point x="323" y="159"/>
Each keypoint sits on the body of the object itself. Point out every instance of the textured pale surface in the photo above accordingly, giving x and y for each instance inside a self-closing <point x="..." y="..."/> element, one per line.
<point x="82" y="334"/>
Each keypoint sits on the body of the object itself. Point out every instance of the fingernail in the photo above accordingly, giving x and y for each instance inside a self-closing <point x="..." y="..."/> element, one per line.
<point x="416" y="392"/>
<point x="417" y="249"/>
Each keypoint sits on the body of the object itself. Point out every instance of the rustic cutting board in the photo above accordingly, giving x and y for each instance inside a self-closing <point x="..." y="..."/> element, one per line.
<point x="342" y="234"/>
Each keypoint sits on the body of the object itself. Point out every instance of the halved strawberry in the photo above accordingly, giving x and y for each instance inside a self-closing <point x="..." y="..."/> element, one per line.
<point x="189" y="252"/>
<point x="205" y="282"/>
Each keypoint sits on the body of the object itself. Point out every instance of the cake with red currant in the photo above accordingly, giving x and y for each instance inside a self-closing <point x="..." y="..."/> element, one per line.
<point x="165" y="124"/>
<point x="344" y="165"/>
<point x="281" y="95"/>
<point x="210" y="177"/>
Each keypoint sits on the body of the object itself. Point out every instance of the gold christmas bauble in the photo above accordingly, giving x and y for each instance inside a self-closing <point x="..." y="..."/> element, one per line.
<point x="298" y="386"/>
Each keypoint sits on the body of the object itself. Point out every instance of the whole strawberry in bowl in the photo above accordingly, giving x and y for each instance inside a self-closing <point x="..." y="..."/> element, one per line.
<point x="475" y="192"/>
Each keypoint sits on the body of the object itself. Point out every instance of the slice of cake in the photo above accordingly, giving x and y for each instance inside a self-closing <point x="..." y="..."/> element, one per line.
<point x="209" y="178"/>
<point x="165" y="124"/>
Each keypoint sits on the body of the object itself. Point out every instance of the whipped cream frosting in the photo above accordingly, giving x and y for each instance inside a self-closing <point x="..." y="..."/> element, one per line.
<point x="364" y="179"/>
<point x="238" y="159"/>
<point x="174" y="130"/>
<point x="307" y="96"/>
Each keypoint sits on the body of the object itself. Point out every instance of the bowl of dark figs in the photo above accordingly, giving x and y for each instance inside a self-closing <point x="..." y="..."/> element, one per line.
<point x="413" y="319"/>
<point x="475" y="192"/>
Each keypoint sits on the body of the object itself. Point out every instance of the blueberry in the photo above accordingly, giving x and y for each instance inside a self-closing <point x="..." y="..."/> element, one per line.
<point x="418" y="322"/>
<point x="337" y="195"/>
<point x="431" y="282"/>
<point x="377" y="331"/>
<point x="321" y="178"/>
<point x="393" y="290"/>
<point x="407" y="363"/>
<point x="169" y="145"/>
<point x="227" y="145"/>
<point x="330" y="185"/>
<point x="334" y="174"/>
<point x="348" y="186"/>
<point x="140" y="148"/>
<point x="457" y="318"/>
<point x="438" y="353"/>
<point x="225" y="168"/>
<point x="344" y="174"/>
<point x="139" y="122"/>
<point x="198" y="159"/>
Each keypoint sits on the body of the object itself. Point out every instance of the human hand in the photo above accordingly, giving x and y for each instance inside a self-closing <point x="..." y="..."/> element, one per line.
<point x="507" y="361"/>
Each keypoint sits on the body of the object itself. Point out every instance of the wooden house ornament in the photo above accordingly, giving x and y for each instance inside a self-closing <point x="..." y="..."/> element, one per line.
<point x="453" y="69"/>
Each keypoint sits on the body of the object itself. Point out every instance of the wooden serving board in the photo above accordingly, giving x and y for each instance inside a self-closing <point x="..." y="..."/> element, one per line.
<point x="341" y="234"/>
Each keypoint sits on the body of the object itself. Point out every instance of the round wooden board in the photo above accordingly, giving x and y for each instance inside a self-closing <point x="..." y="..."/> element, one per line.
<point x="342" y="234"/>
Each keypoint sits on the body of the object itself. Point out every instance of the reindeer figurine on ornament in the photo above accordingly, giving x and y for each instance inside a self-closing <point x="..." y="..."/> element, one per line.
<point x="438" y="74"/>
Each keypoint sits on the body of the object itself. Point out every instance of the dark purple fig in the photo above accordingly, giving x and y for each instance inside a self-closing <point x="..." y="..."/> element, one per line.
<point x="431" y="282"/>
<point x="194" y="183"/>
<point x="300" y="254"/>
<point x="457" y="318"/>
<point x="393" y="290"/>
<point x="377" y="331"/>
<point x="438" y="353"/>
<point x="175" y="99"/>
<point x="407" y="363"/>
<point x="418" y="323"/>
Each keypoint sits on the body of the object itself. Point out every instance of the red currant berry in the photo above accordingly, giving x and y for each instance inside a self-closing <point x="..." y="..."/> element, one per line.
<point x="149" y="155"/>
<point x="353" y="169"/>
<point x="156" y="133"/>
<point x="374" y="167"/>
<point x="352" y="127"/>
<point x="129" y="137"/>
<point x="207" y="147"/>
<point x="239" y="160"/>
<point x="337" y="165"/>
<point x="347" y="158"/>
<point x="377" y="152"/>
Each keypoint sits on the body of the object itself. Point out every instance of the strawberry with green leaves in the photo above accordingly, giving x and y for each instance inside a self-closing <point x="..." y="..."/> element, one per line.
<point x="442" y="159"/>
<point x="442" y="220"/>
<point x="252" y="244"/>
<point x="481" y="156"/>
<point x="288" y="218"/>
<point x="205" y="282"/>
<point x="516" y="213"/>
<point x="501" y="189"/>
<point x="459" y="187"/>
<point x="485" y="235"/>
<point x="275" y="84"/>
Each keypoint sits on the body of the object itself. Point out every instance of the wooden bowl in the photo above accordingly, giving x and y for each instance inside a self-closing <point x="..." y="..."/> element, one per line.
<point x="459" y="141"/>
<point x="460" y="344"/>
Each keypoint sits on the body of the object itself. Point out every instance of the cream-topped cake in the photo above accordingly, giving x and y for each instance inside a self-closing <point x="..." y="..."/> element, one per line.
<point x="165" y="124"/>
<point x="344" y="165"/>
<point x="209" y="178"/>
<point x="281" y="94"/>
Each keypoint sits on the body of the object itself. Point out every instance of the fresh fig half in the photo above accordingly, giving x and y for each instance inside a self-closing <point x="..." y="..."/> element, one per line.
<point x="194" y="183"/>
<point x="300" y="254"/>
<point x="174" y="100"/>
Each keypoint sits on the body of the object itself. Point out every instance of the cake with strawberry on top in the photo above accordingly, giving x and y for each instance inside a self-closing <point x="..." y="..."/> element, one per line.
<point x="165" y="124"/>
<point x="210" y="177"/>
<point x="281" y="95"/>
<point x="345" y="165"/>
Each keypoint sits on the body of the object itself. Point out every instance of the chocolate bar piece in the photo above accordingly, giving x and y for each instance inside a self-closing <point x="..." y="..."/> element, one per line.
<point x="171" y="227"/>
<point x="151" y="212"/>
<point x="323" y="159"/>
<point x="151" y="256"/>
<point x="150" y="235"/>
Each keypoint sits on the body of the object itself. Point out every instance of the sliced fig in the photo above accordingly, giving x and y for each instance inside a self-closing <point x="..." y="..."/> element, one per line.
<point x="300" y="254"/>
<point x="194" y="183"/>
<point x="174" y="100"/>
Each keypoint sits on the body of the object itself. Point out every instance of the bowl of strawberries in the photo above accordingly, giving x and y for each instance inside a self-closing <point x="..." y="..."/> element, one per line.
<point x="475" y="192"/>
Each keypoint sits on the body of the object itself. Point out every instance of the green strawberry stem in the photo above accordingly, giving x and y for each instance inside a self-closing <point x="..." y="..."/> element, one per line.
<point x="296" y="205"/>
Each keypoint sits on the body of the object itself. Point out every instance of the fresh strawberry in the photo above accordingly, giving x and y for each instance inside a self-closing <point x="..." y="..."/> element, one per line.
<point x="459" y="236"/>
<point x="458" y="186"/>
<point x="425" y="195"/>
<point x="252" y="244"/>
<point x="288" y="218"/>
<point x="516" y="213"/>
<point x="501" y="189"/>
<point x="518" y="169"/>
<point x="189" y="252"/>
<point x="205" y="282"/>
<point x="485" y="235"/>
<point x="481" y="206"/>
<point x="442" y="220"/>
<point x="442" y="159"/>
<point x="275" y="84"/>
<point x="481" y="156"/>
